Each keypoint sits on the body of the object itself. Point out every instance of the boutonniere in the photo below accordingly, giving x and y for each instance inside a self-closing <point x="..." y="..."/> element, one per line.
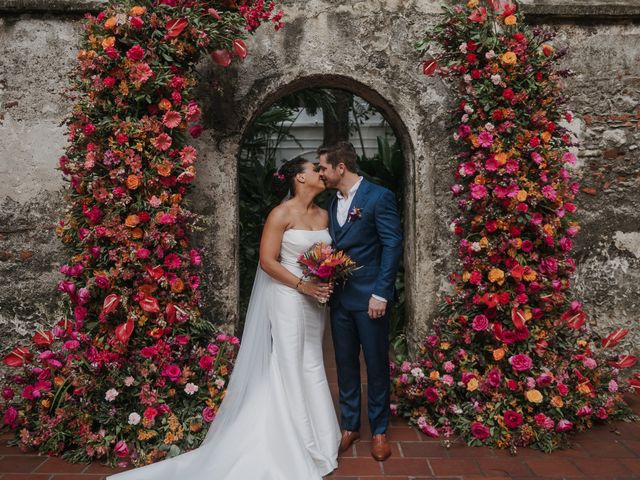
<point x="355" y="214"/>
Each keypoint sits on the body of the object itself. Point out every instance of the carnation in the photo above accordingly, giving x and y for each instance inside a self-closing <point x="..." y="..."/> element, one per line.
<point x="111" y="395"/>
<point x="134" y="418"/>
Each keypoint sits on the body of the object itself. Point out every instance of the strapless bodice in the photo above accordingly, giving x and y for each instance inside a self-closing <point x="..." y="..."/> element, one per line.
<point x="295" y="242"/>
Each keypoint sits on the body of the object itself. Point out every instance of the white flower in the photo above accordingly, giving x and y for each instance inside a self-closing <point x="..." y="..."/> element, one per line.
<point x="496" y="79"/>
<point x="463" y="47"/>
<point x="111" y="395"/>
<point x="452" y="227"/>
<point x="476" y="247"/>
<point x="465" y="118"/>
<point x="417" y="372"/>
<point x="219" y="383"/>
<point x="489" y="127"/>
<point x="129" y="381"/>
<point x="190" y="388"/>
<point x="467" y="78"/>
<point x="490" y="54"/>
<point x="468" y="108"/>
<point x="134" y="418"/>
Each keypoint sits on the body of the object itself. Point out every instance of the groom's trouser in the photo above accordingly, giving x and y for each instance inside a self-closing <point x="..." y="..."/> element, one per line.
<point x="350" y="330"/>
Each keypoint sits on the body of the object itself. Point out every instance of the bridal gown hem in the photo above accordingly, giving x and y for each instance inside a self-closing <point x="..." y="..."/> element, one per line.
<point x="277" y="421"/>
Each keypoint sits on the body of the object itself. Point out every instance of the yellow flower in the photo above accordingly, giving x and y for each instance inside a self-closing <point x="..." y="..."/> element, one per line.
<point x="484" y="242"/>
<point x="522" y="195"/>
<point x="510" y="20"/>
<point x="473" y="3"/>
<point x="472" y="385"/>
<point x="509" y="58"/>
<point x="534" y="396"/>
<point x="445" y="346"/>
<point x="496" y="276"/>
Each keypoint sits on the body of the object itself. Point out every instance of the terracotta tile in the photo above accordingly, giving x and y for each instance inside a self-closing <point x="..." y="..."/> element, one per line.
<point x="20" y="463"/>
<point x="70" y="476"/>
<point x="553" y="467"/>
<point x="406" y="466"/>
<point x="633" y="464"/>
<point x="58" y="465"/>
<point x="462" y="450"/>
<point x="100" y="469"/>
<point x="481" y="477"/>
<point x="402" y="434"/>
<point x="457" y="466"/>
<point x="363" y="449"/>
<point x="423" y="449"/>
<point x="26" y="476"/>
<point x="599" y="468"/>
<point x="358" y="466"/>
<point x="503" y="466"/>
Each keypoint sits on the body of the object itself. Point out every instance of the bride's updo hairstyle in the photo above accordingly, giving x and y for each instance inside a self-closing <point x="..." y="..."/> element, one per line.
<point x="284" y="180"/>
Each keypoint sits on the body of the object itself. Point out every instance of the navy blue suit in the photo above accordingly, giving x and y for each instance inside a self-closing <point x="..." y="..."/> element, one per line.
<point x="373" y="239"/>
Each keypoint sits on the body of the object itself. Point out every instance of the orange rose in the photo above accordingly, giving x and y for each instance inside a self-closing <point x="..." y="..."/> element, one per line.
<point x="496" y="276"/>
<point x="498" y="354"/>
<point x="176" y="198"/>
<point x="557" y="402"/>
<point x="110" y="23"/>
<point x="510" y="20"/>
<point x="137" y="233"/>
<point x="164" y="104"/>
<point x="534" y="396"/>
<point x="434" y="375"/>
<point x="164" y="169"/>
<point x="546" y="136"/>
<point x="501" y="158"/>
<point x="137" y="11"/>
<point x="132" y="221"/>
<point x="522" y="195"/>
<point x="108" y="42"/>
<point x="177" y="286"/>
<point x="547" y="50"/>
<point x="509" y="58"/>
<point x="529" y="274"/>
<point x="133" y="182"/>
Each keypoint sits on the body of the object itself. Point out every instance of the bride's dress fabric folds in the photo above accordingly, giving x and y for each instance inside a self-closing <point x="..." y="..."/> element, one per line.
<point x="277" y="421"/>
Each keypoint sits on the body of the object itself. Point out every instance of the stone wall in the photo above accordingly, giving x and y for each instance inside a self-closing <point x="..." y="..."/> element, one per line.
<point x="366" y="47"/>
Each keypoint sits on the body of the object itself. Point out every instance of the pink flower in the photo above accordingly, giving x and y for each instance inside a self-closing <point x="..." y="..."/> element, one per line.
<point x="188" y="155"/>
<point x="485" y="139"/>
<point x="172" y="261"/>
<point x="150" y="414"/>
<point x="195" y="130"/>
<point x="430" y="431"/>
<point x="494" y="378"/>
<point x="602" y="414"/>
<point x="431" y="394"/>
<point x="172" y="372"/>
<point x="167" y="219"/>
<point x="171" y="119"/>
<point x="206" y="362"/>
<point x="121" y="449"/>
<point x="543" y="421"/>
<point x="480" y="323"/>
<point x="194" y="255"/>
<point x="521" y="362"/>
<point x="479" y="15"/>
<point x="549" y="192"/>
<point x="10" y="416"/>
<point x="564" y="426"/>
<point x="193" y="112"/>
<point x="162" y="142"/>
<point x="208" y="414"/>
<point x="480" y="431"/>
<point x="512" y="419"/>
<point x="478" y="192"/>
<point x="135" y="53"/>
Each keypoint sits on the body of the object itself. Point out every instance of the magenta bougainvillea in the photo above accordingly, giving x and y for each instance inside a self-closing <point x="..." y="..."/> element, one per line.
<point x="511" y="361"/>
<point x="131" y="373"/>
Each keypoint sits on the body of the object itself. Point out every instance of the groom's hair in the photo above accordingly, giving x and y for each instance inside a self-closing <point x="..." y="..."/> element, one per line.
<point x="341" y="152"/>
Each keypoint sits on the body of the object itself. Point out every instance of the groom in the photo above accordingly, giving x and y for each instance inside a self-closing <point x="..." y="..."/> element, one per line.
<point x="364" y="222"/>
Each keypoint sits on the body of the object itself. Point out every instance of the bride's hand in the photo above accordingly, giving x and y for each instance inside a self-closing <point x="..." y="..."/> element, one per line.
<point x="317" y="290"/>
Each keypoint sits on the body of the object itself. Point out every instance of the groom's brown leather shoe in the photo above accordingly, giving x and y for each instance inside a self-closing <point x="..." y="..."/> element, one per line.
<point x="347" y="439"/>
<point x="380" y="449"/>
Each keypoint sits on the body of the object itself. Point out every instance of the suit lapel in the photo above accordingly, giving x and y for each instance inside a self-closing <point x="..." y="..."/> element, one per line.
<point x="358" y="201"/>
<point x="333" y="217"/>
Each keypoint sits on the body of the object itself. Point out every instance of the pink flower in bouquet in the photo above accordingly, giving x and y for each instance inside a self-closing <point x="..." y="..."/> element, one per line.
<point x="513" y="419"/>
<point x="172" y="372"/>
<point x="206" y="362"/>
<point x="171" y="119"/>
<point x="521" y="362"/>
<point x="208" y="414"/>
<point x="564" y="426"/>
<point x="480" y="430"/>
<point x="324" y="272"/>
<point x="431" y="394"/>
<point x="121" y="449"/>
<point x="478" y="192"/>
<point x="162" y="141"/>
<point x="485" y="139"/>
<point x="480" y="323"/>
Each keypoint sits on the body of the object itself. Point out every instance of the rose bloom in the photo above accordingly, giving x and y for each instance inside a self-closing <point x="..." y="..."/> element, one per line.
<point x="564" y="426"/>
<point x="121" y="449"/>
<point x="172" y="372"/>
<point x="208" y="414"/>
<point x="494" y="378"/>
<point x="521" y="362"/>
<point x="543" y="421"/>
<point x="534" y="396"/>
<point x="111" y="395"/>
<point x="135" y="53"/>
<point x="431" y="394"/>
<point x="480" y="323"/>
<point x="480" y="431"/>
<point x="512" y="419"/>
<point x="509" y="58"/>
<point x="496" y="276"/>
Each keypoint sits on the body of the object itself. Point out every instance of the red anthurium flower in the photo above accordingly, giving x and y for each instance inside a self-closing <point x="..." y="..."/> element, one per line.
<point x="221" y="57"/>
<point x="170" y="313"/>
<point x="124" y="331"/>
<point x="155" y="272"/>
<point x="518" y="318"/>
<point x="613" y="339"/>
<point x="17" y="357"/>
<point x="149" y="304"/>
<point x="574" y="319"/>
<point x="111" y="302"/>
<point x="175" y="26"/>
<point x="624" y="361"/>
<point x="43" y="338"/>
<point x="634" y="383"/>
<point x="240" y="48"/>
<point x="429" y="67"/>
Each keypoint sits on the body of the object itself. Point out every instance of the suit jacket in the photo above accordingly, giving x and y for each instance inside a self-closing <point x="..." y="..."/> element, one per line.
<point x="373" y="239"/>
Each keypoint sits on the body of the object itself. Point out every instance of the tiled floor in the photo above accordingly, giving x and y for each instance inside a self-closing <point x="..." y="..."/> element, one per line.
<point x="610" y="452"/>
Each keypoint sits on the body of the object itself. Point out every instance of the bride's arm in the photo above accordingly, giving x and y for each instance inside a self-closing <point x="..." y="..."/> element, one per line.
<point x="270" y="245"/>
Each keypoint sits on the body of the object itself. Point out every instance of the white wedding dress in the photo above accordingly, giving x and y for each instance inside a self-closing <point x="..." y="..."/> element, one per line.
<point x="277" y="421"/>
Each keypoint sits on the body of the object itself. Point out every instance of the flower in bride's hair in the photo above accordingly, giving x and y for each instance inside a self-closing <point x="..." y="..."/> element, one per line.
<point x="279" y="176"/>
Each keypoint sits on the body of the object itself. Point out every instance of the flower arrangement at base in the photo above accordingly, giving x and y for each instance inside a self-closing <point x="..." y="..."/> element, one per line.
<point x="511" y="361"/>
<point x="132" y="372"/>
<point x="322" y="262"/>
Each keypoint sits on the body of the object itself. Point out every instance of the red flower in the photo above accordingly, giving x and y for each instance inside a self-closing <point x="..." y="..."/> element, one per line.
<point x="221" y="57"/>
<point x="135" y="53"/>
<point x="479" y="15"/>
<point x="508" y="94"/>
<point x="18" y="357"/>
<point x="431" y="394"/>
<point x="240" y="48"/>
<point x="480" y="431"/>
<point x="429" y="67"/>
<point x="512" y="419"/>
<point x="175" y="26"/>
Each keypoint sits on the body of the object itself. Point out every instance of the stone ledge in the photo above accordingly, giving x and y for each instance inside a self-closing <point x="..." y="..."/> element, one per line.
<point x="555" y="9"/>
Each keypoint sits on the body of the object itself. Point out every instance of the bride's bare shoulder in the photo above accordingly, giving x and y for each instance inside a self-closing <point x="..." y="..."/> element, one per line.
<point x="279" y="215"/>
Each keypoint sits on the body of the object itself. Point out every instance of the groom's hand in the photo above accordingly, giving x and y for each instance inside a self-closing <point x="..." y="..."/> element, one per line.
<point x="377" y="308"/>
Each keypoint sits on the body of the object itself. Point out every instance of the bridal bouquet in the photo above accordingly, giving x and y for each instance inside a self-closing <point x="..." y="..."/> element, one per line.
<point x="328" y="265"/>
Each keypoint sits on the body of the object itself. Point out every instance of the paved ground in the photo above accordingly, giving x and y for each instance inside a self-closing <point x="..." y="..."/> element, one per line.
<point x="610" y="452"/>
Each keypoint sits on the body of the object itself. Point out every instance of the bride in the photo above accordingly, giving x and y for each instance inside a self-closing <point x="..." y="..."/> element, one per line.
<point x="277" y="420"/>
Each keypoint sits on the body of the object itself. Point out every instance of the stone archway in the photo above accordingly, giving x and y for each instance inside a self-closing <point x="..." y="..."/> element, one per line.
<point x="382" y="71"/>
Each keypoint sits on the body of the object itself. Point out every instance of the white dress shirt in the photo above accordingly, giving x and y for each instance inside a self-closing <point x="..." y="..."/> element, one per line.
<point x="342" y="213"/>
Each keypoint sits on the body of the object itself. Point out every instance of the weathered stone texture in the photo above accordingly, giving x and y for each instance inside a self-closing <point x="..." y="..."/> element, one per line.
<point x="366" y="47"/>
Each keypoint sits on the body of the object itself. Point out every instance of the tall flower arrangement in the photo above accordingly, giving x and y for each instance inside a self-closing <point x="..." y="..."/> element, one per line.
<point x="131" y="373"/>
<point x="511" y="362"/>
